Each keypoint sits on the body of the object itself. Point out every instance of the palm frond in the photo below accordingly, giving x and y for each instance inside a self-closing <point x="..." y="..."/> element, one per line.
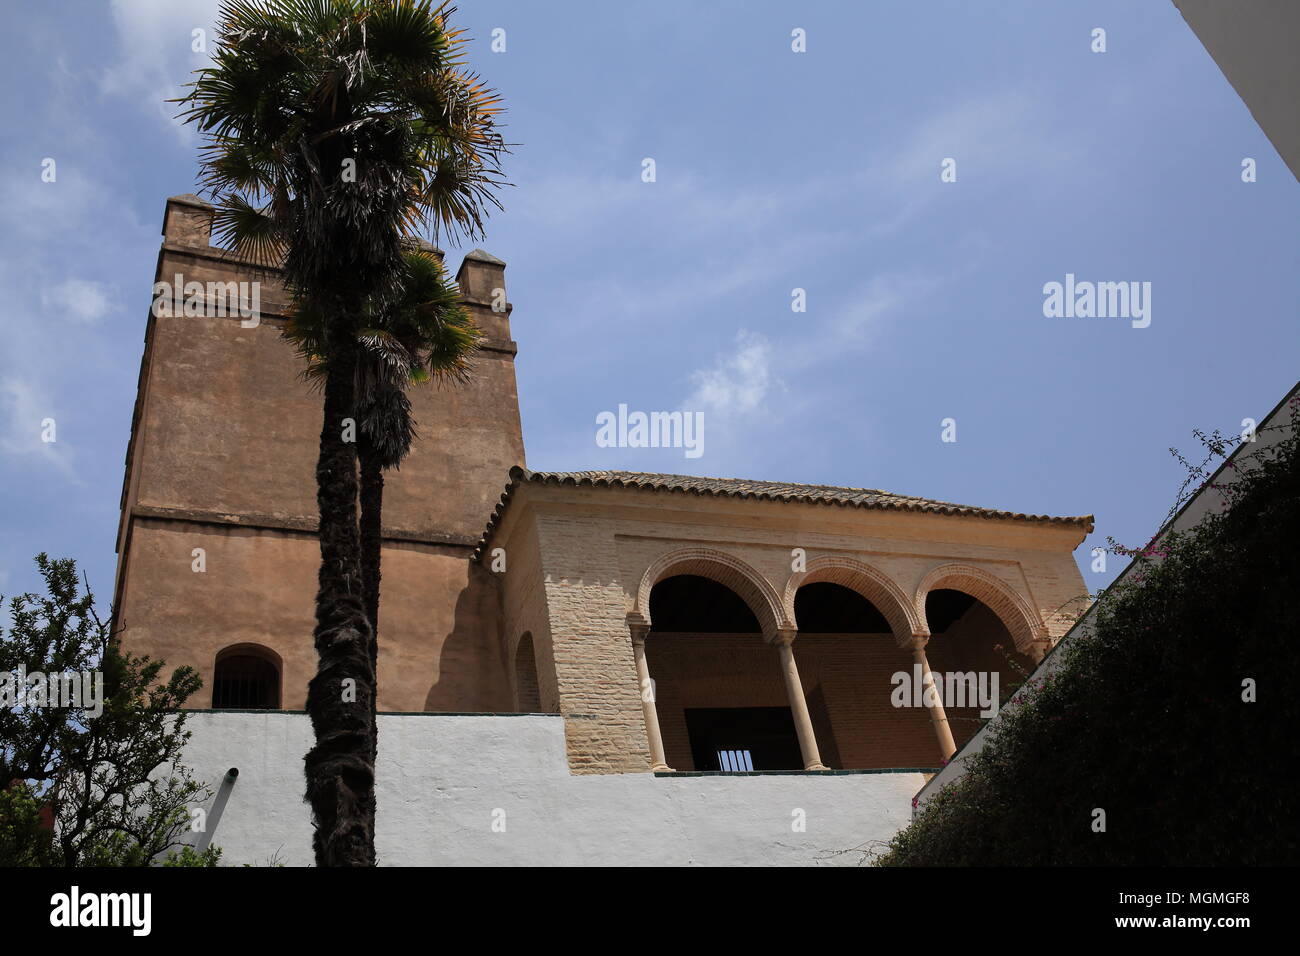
<point x="256" y="234"/>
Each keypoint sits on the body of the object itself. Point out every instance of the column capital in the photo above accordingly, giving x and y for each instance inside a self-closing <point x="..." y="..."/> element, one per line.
<point x="784" y="636"/>
<point x="918" y="642"/>
<point x="639" y="627"/>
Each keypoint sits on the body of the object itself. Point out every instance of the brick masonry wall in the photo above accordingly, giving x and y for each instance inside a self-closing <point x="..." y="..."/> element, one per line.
<point x="854" y="674"/>
<point x="591" y="646"/>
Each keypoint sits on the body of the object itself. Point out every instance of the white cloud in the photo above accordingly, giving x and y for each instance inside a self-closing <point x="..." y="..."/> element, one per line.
<point x="78" y="299"/>
<point x="737" y="384"/>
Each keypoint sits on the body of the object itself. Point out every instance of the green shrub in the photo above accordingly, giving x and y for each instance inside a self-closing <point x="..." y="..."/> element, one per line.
<point x="1147" y="717"/>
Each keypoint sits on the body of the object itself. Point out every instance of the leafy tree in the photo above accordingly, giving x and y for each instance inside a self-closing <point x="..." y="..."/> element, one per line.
<point x="336" y="128"/>
<point x="86" y="789"/>
<point x="1168" y="712"/>
<point x="26" y="833"/>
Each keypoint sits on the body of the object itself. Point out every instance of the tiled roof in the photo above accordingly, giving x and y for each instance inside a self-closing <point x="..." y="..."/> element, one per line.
<point x="760" y="490"/>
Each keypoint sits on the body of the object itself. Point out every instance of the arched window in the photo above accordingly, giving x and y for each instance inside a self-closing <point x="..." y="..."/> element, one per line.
<point x="247" y="677"/>
<point x="720" y="697"/>
<point x="528" y="698"/>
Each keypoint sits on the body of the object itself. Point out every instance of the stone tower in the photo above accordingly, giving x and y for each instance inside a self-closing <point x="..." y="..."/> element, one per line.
<point x="217" y="553"/>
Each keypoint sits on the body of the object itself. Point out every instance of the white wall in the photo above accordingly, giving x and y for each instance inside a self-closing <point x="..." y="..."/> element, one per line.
<point x="441" y="777"/>
<point x="1254" y="44"/>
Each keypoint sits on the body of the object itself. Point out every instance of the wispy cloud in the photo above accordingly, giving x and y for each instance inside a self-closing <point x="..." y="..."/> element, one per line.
<point x="78" y="299"/>
<point x="157" y="53"/>
<point x="27" y="418"/>
<point x="61" y="344"/>
<point x="993" y="137"/>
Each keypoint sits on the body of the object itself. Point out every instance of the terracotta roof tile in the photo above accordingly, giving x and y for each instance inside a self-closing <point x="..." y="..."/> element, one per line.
<point x="760" y="490"/>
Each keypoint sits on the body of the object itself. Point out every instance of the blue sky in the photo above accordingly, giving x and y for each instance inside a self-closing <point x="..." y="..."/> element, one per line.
<point x="775" y="170"/>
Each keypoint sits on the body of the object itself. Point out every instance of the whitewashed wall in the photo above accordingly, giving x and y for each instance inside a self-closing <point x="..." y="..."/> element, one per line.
<point x="442" y="778"/>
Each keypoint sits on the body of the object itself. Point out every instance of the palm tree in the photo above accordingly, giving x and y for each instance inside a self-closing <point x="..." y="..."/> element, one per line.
<point x="335" y="128"/>
<point x="426" y="335"/>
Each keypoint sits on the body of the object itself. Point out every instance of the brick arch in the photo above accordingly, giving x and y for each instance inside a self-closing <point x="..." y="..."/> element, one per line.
<point x="872" y="583"/>
<point x="754" y="589"/>
<point x="1021" y="620"/>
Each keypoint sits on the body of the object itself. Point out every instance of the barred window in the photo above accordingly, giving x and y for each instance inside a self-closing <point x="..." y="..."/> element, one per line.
<point x="245" y="680"/>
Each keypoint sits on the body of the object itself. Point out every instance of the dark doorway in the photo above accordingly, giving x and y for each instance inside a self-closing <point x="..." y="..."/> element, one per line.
<point x="743" y="738"/>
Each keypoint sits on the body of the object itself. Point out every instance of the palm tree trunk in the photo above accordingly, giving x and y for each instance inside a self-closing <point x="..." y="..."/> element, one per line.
<point x="372" y="506"/>
<point x="340" y="768"/>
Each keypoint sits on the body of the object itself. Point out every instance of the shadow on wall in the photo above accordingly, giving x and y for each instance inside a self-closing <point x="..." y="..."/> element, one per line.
<point x="219" y="802"/>
<point x="472" y="676"/>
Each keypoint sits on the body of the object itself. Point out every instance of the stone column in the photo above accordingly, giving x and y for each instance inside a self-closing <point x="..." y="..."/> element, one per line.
<point x="812" y="759"/>
<point x="640" y="630"/>
<point x="932" y="701"/>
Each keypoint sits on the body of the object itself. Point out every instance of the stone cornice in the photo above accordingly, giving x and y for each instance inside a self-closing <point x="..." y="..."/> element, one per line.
<point x="289" y="523"/>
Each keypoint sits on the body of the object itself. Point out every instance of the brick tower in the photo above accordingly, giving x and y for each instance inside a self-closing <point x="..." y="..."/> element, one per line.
<point x="217" y="552"/>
